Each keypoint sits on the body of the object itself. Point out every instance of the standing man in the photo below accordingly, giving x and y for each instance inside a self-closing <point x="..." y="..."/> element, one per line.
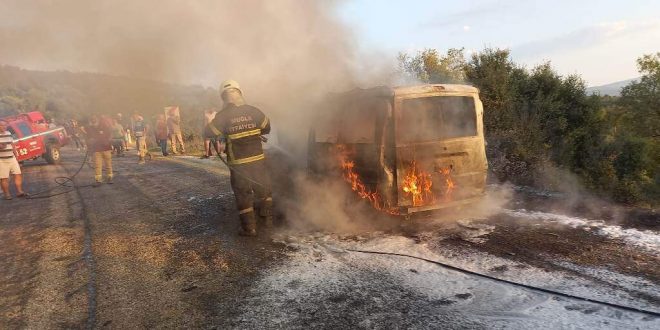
<point x="78" y="135"/>
<point x="98" y="142"/>
<point x="209" y="137"/>
<point x="242" y="126"/>
<point x="161" y="134"/>
<point x="174" y="128"/>
<point x="118" y="140"/>
<point x="9" y="164"/>
<point x="140" y="132"/>
<point x="127" y="129"/>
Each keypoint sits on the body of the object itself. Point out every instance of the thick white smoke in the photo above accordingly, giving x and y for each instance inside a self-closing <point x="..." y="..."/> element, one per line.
<point x="283" y="52"/>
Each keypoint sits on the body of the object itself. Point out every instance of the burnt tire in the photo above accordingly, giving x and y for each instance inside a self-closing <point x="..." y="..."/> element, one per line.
<point x="52" y="154"/>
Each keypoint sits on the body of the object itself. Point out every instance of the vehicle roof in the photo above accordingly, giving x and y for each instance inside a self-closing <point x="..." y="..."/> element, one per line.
<point x="434" y="88"/>
<point x="388" y="92"/>
<point x="33" y="116"/>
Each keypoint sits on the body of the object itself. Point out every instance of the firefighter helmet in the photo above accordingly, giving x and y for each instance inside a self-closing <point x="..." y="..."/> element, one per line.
<point x="230" y="84"/>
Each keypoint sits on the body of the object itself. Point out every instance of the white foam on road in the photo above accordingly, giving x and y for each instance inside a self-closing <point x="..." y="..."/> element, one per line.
<point x="376" y="291"/>
<point x="647" y="239"/>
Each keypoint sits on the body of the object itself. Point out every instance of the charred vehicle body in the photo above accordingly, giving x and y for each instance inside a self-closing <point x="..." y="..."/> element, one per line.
<point x="404" y="149"/>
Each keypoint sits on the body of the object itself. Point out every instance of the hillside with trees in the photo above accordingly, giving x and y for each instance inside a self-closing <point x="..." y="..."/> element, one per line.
<point x="545" y="130"/>
<point x="62" y="95"/>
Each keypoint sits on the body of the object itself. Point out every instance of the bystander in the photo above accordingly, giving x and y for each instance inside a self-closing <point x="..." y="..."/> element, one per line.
<point x="8" y="164"/>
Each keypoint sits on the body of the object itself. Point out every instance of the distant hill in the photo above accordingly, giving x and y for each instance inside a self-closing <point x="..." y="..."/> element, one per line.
<point x="612" y="89"/>
<point x="63" y="95"/>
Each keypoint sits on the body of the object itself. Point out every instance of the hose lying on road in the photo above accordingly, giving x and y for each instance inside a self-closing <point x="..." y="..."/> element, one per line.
<point x="530" y="287"/>
<point x="62" y="181"/>
<point x="237" y="171"/>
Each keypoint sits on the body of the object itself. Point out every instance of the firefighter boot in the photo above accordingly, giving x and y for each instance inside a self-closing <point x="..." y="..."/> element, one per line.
<point x="248" y="223"/>
<point x="266" y="212"/>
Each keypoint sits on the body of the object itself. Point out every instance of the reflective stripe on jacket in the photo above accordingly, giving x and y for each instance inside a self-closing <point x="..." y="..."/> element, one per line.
<point x="242" y="127"/>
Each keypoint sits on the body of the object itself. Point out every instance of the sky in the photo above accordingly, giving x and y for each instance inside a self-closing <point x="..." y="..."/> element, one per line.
<point x="253" y="39"/>
<point x="600" y="40"/>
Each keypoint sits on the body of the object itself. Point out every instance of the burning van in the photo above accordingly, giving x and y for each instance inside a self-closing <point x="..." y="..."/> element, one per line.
<point x="403" y="149"/>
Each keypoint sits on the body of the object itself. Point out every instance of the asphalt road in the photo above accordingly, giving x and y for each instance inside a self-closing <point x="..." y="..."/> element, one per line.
<point x="162" y="249"/>
<point x="158" y="249"/>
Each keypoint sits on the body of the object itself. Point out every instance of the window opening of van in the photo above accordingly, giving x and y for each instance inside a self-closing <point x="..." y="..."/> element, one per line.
<point x="437" y="118"/>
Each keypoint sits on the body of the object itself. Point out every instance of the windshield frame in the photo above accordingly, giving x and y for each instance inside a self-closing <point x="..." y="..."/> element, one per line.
<point x="399" y="111"/>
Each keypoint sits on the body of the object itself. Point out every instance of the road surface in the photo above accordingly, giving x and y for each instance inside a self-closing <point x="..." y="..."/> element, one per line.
<point x="158" y="249"/>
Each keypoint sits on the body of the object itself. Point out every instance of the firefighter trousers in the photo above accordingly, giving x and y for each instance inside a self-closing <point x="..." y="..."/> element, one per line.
<point x="251" y="185"/>
<point x="141" y="144"/>
<point x="102" y="158"/>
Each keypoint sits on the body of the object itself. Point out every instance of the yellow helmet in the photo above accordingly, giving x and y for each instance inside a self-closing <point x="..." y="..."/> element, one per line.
<point x="229" y="84"/>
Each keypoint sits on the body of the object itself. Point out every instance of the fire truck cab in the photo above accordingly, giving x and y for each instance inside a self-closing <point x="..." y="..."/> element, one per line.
<point x="406" y="149"/>
<point x="34" y="138"/>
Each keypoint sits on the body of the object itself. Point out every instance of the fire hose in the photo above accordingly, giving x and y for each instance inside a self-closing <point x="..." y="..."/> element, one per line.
<point x="63" y="181"/>
<point x="237" y="171"/>
<point x="526" y="286"/>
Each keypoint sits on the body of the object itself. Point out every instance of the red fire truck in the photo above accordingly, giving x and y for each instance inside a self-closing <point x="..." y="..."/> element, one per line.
<point x="34" y="137"/>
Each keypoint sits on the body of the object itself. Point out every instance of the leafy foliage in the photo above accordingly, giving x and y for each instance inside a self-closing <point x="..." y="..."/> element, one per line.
<point x="430" y="67"/>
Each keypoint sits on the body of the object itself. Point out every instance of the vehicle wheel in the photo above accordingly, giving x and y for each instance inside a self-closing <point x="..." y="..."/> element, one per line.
<point x="52" y="154"/>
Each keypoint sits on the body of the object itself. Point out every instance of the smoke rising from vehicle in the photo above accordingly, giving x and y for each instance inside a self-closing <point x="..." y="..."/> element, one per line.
<point x="286" y="54"/>
<point x="282" y="52"/>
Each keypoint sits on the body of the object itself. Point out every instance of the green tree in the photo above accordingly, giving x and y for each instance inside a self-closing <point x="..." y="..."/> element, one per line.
<point x="637" y="136"/>
<point x="641" y="99"/>
<point x="498" y="80"/>
<point x="429" y="66"/>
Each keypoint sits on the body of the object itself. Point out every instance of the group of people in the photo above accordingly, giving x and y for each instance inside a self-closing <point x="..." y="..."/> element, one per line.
<point x="236" y="130"/>
<point x="75" y="132"/>
<point x="106" y="136"/>
<point x="169" y="130"/>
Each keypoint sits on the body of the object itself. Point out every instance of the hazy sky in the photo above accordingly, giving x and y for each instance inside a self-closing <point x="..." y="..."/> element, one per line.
<point x="598" y="39"/>
<point x="203" y="41"/>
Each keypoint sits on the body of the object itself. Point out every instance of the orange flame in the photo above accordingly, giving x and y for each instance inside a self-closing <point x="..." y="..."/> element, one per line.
<point x="449" y="182"/>
<point x="417" y="184"/>
<point x="350" y="176"/>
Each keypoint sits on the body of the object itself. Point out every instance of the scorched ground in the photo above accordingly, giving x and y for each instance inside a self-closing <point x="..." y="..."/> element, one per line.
<point x="158" y="249"/>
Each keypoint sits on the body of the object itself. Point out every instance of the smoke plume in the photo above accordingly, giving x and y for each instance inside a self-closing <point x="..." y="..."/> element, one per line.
<point x="283" y="52"/>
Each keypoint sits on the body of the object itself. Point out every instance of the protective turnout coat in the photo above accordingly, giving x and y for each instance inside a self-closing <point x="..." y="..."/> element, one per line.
<point x="242" y="127"/>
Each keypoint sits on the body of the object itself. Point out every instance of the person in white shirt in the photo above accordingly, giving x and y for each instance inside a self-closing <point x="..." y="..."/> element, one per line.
<point x="8" y="164"/>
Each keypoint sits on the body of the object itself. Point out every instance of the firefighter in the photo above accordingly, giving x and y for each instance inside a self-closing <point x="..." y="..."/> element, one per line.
<point x="242" y="127"/>
<point x="140" y="132"/>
